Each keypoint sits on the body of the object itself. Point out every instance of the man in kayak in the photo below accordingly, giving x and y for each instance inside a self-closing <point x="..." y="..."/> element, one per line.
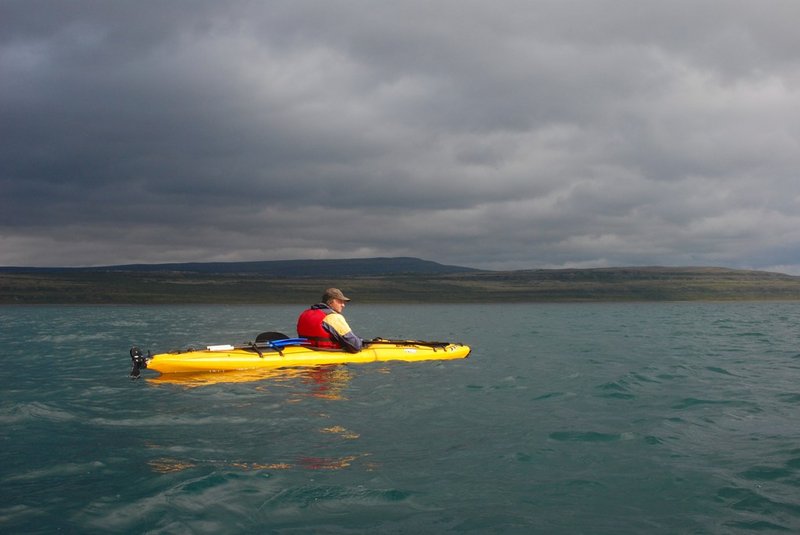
<point x="324" y="326"/>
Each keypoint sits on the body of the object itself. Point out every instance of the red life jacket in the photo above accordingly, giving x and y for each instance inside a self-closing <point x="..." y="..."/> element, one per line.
<point x="309" y="325"/>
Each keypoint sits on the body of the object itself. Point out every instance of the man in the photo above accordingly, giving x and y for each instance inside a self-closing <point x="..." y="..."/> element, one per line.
<point x="324" y="326"/>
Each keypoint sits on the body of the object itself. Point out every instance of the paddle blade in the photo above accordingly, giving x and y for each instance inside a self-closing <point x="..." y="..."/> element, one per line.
<point x="270" y="336"/>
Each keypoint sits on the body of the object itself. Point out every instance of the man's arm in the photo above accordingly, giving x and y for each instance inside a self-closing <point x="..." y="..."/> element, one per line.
<point x="338" y="328"/>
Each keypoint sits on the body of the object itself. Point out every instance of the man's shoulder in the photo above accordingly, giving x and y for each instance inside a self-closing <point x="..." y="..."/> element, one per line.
<point x="333" y="315"/>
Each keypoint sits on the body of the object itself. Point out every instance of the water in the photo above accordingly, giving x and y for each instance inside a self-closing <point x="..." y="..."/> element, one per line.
<point x="598" y="418"/>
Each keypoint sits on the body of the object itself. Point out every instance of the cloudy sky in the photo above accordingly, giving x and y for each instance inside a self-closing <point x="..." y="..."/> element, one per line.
<point x="501" y="135"/>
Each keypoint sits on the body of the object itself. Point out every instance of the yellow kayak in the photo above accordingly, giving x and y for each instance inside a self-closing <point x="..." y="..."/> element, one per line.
<point x="291" y="353"/>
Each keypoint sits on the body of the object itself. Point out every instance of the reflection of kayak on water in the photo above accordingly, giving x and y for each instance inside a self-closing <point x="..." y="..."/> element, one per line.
<point x="321" y="381"/>
<point x="275" y="350"/>
<point x="192" y="379"/>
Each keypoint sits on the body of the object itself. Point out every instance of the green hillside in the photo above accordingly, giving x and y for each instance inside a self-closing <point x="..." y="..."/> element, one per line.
<point x="449" y="286"/>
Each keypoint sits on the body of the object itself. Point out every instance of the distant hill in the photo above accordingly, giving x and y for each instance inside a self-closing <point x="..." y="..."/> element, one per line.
<point x="636" y="284"/>
<point x="349" y="267"/>
<point x="383" y="280"/>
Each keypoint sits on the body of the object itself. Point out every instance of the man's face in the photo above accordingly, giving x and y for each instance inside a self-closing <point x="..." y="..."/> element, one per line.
<point x="337" y="305"/>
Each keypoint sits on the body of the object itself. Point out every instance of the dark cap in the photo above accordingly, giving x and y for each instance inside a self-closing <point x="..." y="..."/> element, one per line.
<point x="333" y="293"/>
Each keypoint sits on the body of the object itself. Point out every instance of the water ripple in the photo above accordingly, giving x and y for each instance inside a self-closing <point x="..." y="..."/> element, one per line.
<point x="588" y="436"/>
<point x="23" y="412"/>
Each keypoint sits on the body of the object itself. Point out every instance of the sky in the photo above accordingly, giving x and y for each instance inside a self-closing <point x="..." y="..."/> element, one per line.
<point x="498" y="135"/>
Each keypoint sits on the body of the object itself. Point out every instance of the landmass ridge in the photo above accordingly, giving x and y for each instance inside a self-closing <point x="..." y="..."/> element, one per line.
<point x="382" y="280"/>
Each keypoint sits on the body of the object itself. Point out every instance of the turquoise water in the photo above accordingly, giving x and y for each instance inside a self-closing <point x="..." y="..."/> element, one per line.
<point x="600" y="418"/>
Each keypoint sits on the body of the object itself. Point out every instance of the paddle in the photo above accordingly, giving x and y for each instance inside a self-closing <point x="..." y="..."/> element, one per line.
<point x="266" y="340"/>
<point x="407" y="342"/>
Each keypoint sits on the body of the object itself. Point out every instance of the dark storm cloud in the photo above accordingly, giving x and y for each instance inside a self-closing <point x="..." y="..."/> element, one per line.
<point x="508" y="134"/>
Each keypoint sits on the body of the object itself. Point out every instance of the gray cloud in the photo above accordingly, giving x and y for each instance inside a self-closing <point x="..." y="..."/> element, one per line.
<point x="501" y="135"/>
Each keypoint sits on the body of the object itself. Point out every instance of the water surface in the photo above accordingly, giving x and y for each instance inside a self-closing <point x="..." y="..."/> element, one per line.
<point x="578" y="418"/>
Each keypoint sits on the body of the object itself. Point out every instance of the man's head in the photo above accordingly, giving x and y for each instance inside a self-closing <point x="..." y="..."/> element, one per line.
<point x="335" y="299"/>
